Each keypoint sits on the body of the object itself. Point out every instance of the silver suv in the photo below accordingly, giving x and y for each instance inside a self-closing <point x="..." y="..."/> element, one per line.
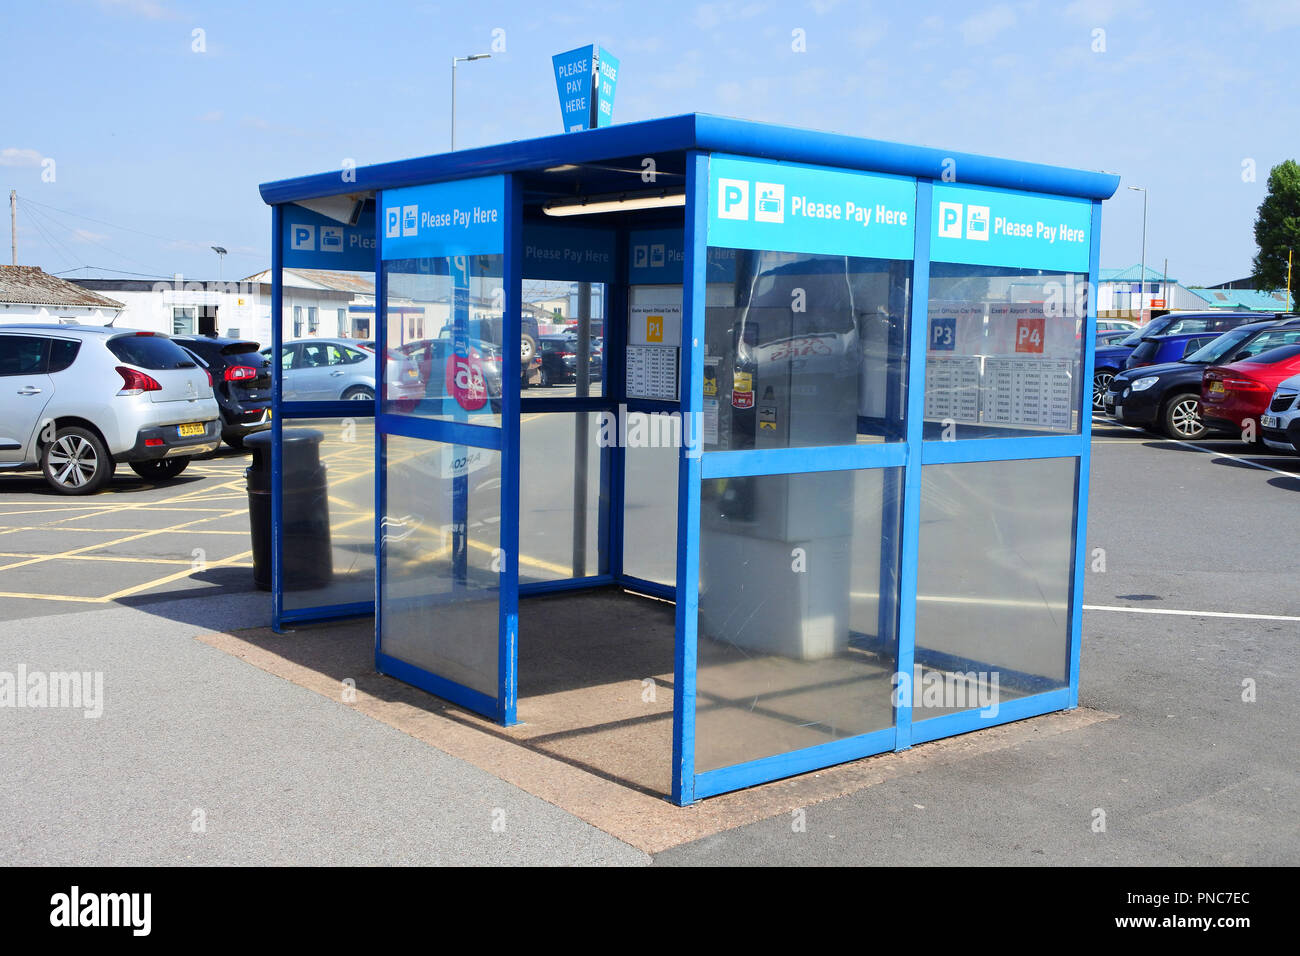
<point x="75" y="400"/>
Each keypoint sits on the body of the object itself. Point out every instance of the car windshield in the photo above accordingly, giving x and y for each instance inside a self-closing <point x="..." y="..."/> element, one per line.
<point x="151" y="352"/>
<point x="1280" y="354"/>
<point x="1213" y="351"/>
<point x="1154" y="327"/>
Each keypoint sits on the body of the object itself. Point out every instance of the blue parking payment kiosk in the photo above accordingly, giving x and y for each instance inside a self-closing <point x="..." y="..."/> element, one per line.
<point x="827" y="402"/>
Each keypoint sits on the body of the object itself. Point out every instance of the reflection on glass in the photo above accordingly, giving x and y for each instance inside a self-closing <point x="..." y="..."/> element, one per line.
<point x="440" y="548"/>
<point x="329" y="512"/>
<point x="446" y="333"/>
<point x="560" y="517"/>
<point x="804" y="350"/>
<point x="993" y="583"/>
<point x="798" y="611"/>
<point x="1004" y="350"/>
<point x="650" y="512"/>
<point x="563" y="341"/>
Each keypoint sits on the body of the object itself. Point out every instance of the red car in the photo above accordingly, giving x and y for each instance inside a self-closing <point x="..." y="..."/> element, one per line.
<point x="1232" y="395"/>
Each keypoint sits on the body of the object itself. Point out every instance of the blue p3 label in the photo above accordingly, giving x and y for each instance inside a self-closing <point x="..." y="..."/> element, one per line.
<point x="943" y="334"/>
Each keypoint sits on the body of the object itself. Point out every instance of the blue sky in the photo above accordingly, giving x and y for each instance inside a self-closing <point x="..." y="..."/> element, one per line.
<point x="158" y="149"/>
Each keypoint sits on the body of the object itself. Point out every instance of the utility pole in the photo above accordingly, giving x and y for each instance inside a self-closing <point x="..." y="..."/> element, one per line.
<point x="13" y="225"/>
<point x="1142" y="278"/>
<point x="454" y="61"/>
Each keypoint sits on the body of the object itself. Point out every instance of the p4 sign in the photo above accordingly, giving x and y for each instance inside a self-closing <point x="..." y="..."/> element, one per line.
<point x="1029" y="335"/>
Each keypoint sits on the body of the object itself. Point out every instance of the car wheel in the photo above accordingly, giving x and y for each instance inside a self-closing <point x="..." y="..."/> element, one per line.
<point x="234" y="441"/>
<point x="161" y="469"/>
<point x="1100" y="384"/>
<point x="1182" y="417"/>
<point x="544" y="379"/>
<point x="527" y="349"/>
<point x="359" y="394"/>
<point x="76" y="462"/>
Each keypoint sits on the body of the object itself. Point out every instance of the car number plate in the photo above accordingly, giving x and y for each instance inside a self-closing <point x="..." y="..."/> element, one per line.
<point x="190" y="430"/>
<point x="1268" y="421"/>
<point x="1216" y="387"/>
<point x="1119" y="413"/>
<point x="1108" y="399"/>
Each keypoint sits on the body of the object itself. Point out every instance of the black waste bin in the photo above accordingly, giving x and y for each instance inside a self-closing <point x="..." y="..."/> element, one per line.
<point x="304" y="510"/>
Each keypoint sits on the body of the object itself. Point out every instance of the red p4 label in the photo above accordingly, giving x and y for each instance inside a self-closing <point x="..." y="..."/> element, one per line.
<point x="1029" y="335"/>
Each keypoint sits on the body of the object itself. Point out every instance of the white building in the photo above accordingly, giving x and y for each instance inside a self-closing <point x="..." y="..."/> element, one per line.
<point x="1133" y="294"/>
<point x="29" y="294"/>
<point x="236" y="309"/>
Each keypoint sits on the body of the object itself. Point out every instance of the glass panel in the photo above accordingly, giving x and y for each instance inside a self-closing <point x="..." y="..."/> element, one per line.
<point x="1004" y="350"/>
<point x="441" y="592"/>
<point x="804" y="350"/>
<point x="552" y="344"/>
<point x="650" y="512"/>
<point x="445" y="335"/>
<point x="549" y="444"/>
<point x="796" y="647"/>
<point x="993" y="583"/>
<point x="329" y="511"/>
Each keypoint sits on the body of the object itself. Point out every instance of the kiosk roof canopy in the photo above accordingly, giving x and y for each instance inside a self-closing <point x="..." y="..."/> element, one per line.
<point x="669" y="138"/>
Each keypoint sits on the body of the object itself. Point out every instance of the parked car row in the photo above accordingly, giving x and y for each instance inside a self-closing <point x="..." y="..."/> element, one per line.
<point x="77" y="401"/>
<point x="1242" y="382"/>
<point x="1114" y="357"/>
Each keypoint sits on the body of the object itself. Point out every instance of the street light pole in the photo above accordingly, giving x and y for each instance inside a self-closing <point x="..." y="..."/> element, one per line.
<point x="221" y="261"/>
<point x="454" y="61"/>
<point x="1142" y="277"/>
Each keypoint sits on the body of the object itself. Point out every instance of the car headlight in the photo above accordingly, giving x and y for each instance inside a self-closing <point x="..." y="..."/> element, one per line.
<point x="1142" y="384"/>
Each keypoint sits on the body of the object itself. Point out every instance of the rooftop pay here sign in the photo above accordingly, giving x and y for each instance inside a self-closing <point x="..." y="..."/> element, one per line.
<point x="586" y="79"/>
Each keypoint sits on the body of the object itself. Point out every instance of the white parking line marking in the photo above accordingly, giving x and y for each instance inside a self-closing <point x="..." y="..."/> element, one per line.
<point x="1181" y="613"/>
<point x="1208" y="451"/>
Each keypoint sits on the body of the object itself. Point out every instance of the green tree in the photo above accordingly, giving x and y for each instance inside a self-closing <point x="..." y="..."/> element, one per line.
<point x="1277" y="228"/>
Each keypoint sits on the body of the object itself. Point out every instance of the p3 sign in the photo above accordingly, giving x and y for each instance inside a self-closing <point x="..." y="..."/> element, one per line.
<point x="943" y="334"/>
<point x="465" y="381"/>
<point x="1029" y="335"/>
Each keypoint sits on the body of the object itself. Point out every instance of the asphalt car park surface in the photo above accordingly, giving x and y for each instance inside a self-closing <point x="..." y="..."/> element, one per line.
<point x="1190" y="607"/>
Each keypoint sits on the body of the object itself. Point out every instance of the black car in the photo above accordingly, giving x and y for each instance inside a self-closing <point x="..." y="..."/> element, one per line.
<point x="1109" y="358"/>
<point x="241" y="382"/>
<point x="1167" y="398"/>
<point x="560" y="360"/>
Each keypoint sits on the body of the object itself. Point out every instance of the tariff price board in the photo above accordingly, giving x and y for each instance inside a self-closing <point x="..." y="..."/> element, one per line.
<point x="654" y="338"/>
<point x="952" y="388"/>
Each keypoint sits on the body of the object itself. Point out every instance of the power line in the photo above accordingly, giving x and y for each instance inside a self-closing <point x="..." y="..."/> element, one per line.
<point x="80" y="234"/>
<point x="50" y="241"/>
<point x="103" y="222"/>
<point x="142" y="275"/>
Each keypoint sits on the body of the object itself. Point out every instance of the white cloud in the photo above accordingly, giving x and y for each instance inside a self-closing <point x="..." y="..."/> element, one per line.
<point x="148" y="9"/>
<point x="211" y="117"/>
<point x="13" y="156"/>
<point x="85" y="235"/>
<point x="985" y="26"/>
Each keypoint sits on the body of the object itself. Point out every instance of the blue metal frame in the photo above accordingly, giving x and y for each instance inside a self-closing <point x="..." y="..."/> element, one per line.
<point x="277" y="416"/>
<point x="915" y="425"/>
<point x="691" y="394"/>
<point x="704" y="133"/>
<point x="511" y="371"/>
<point x="695" y="137"/>
<point x="1081" y="562"/>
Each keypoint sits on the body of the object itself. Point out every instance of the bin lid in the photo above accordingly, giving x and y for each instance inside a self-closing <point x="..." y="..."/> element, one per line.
<point x="300" y="446"/>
